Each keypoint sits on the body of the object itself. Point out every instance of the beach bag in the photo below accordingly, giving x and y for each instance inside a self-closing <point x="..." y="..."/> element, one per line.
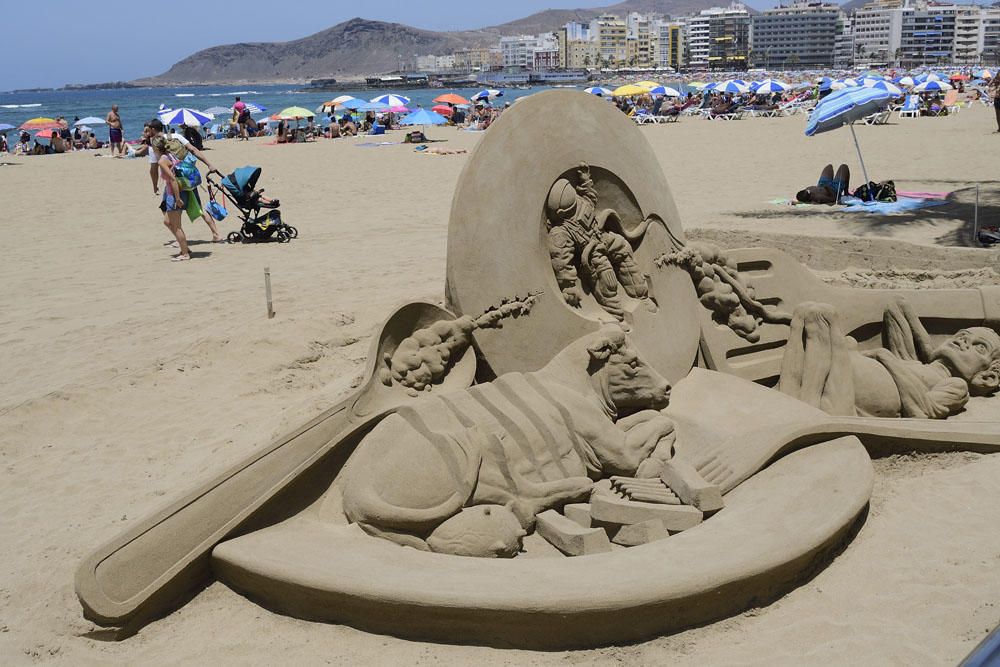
<point x="872" y="191"/>
<point x="187" y="173"/>
<point x="214" y="208"/>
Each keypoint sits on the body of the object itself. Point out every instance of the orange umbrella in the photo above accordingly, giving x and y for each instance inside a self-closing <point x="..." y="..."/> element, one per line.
<point x="40" y="124"/>
<point x="443" y="109"/>
<point x="45" y="134"/>
<point x="959" y="77"/>
<point x="450" y="98"/>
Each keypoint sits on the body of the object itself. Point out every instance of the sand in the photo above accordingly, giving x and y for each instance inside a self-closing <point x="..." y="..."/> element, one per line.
<point x="127" y="379"/>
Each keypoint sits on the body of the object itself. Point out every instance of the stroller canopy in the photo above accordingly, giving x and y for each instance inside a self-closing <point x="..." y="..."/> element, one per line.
<point x="242" y="180"/>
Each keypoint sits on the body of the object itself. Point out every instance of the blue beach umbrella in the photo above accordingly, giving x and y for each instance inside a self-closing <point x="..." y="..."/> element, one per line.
<point x="6" y="126"/>
<point x="391" y="100"/>
<point x="771" y="86"/>
<point x="664" y="90"/>
<point x="906" y="81"/>
<point x="597" y="90"/>
<point x="891" y="88"/>
<point x="487" y="94"/>
<point x="189" y="117"/>
<point x="844" y="107"/>
<point x="732" y="86"/>
<point x="930" y="86"/>
<point x="361" y="105"/>
<point x="423" y="117"/>
<point x="708" y="87"/>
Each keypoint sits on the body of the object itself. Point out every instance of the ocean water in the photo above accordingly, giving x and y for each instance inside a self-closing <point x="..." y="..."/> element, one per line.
<point x="137" y="105"/>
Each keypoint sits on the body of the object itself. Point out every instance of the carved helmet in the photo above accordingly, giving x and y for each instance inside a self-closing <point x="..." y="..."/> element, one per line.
<point x="561" y="203"/>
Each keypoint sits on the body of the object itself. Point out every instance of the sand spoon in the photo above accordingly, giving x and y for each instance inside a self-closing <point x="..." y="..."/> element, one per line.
<point x="154" y="566"/>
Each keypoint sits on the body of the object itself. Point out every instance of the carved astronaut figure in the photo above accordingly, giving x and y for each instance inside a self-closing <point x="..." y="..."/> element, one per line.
<point x="581" y="247"/>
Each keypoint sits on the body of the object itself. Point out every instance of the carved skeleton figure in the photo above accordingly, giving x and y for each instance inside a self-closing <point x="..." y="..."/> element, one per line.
<point x="466" y="473"/>
<point x="580" y="247"/>
<point x="909" y="377"/>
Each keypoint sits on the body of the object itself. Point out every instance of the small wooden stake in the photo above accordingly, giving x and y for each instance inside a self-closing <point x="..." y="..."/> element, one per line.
<point x="267" y="289"/>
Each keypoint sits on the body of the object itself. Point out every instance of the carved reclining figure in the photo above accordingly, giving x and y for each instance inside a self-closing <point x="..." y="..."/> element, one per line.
<point x="909" y="377"/>
<point x="466" y="473"/>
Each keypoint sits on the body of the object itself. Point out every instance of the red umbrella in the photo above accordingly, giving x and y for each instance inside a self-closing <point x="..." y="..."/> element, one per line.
<point x="40" y="124"/>
<point x="959" y="77"/>
<point x="450" y="98"/>
<point x="44" y="134"/>
<point x="443" y="109"/>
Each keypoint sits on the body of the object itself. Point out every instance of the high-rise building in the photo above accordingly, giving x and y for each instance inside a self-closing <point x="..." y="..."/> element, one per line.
<point x="928" y="35"/>
<point x="668" y="44"/>
<point x="843" y="49"/>
<point x="611" y="35"/>
<point x="719" y="38"/>
<point x="520" y="50"/>
<point x="878" y="31"/>
<point x="801" y="35"/>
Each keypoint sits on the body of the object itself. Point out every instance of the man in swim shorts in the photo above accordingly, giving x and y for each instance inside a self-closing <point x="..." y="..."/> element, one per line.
<point x="116" y="137"/>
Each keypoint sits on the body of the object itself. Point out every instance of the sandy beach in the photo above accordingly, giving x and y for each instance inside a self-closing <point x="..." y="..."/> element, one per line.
<point x="128" y="378"/>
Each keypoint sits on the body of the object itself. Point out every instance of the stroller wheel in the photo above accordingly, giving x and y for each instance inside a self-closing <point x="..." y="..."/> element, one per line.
<point x="292" y="232"/>
<point x="234" y="237"/>
<point x="283" y="236"/>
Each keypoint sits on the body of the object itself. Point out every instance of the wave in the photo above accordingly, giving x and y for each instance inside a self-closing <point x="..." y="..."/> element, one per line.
<point x="244" y="92"/>
<point x="183" y="94"/>
<point x="20" y="106"/>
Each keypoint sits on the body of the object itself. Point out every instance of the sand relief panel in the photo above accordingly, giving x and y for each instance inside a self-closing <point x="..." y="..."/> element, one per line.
<point x="590" y="430"/>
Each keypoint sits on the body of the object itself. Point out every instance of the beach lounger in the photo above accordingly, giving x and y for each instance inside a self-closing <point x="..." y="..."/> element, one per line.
<point x="672" y="118"/>
<point x="644" y="119"/>
<point x="781" y="281"/>
<point x="877" y="118"/>
<point x="911" y="108"/>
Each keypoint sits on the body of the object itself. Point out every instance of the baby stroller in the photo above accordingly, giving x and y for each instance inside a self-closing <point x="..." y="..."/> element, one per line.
<point x="239" y="188"/>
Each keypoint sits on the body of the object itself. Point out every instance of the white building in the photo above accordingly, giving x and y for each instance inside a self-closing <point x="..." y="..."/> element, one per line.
<point x="519" y="50"/>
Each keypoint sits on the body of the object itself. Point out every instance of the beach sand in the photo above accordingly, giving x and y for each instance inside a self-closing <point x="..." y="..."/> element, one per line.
<point x="127" y="379"/>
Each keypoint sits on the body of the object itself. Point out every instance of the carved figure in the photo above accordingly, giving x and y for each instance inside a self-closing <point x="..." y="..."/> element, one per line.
<point x="908" y="378"/>
<point x="522" y="444"/>
<point x="422" y="358"/>
<point x="723" y="289"/>
<point x="583" y="250"/>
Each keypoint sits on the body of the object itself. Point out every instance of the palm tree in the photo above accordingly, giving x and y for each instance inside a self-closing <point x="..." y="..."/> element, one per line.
<point x="898" y="56"/>
<point x="586" y="60"/>
<point x="860" y="50"/>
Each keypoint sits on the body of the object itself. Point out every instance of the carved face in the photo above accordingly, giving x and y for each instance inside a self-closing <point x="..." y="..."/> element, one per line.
<point x="969" y="352"/>
<point x="632" y="384"/>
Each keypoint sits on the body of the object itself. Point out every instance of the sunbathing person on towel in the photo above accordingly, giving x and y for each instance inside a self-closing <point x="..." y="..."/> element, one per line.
<point x="830" y="187"/>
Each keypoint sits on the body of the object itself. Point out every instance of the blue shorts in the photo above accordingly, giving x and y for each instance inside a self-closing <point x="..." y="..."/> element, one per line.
<point x="172" y="203"/>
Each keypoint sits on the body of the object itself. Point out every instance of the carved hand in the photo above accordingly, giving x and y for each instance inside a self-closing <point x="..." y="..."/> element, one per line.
<point x="573" y="295"/>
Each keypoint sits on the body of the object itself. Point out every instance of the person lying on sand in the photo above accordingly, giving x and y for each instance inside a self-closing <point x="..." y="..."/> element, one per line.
<point x="909" y="377"/>
<point x="829" y="189"/>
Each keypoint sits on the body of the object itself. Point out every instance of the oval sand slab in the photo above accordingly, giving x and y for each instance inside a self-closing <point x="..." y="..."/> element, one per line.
<point x="777" y="528"/>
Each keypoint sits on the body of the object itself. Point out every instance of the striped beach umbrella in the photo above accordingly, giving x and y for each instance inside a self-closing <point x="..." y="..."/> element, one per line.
<point x="185" y="116"/>
<point x="888" y="86"/>
<point x="732" y="86"/>
<point x="391" y="100"/>
<point x="771" y="86"/>
<point x="905" y="81"/>
<point x="597" y="90"/>
<point x="254" y="108"/>
<point x="215" y="111"/>
<point x="844" y="107"/>
<point x="488" y="94"/>
<point x="665" y="90"/>
<point x="40" y="124"/>
<point x="932" y="87"/>
<point x="708" y="87"/>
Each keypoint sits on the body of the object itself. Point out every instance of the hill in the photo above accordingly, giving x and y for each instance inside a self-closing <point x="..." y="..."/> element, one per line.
<point x="360" y="46"/>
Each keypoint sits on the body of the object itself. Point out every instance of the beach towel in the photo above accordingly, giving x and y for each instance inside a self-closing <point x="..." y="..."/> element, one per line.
<point x="901" y="205"/>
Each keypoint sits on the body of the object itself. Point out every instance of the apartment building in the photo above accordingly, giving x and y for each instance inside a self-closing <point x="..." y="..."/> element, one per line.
<point x="520" y="50"/>
<point x="801" y="35"/>
<point x="719" y="38"/>
<point x="668" y="44"/>
<point x="611" y="34"/>
<point x="479" y="59"/>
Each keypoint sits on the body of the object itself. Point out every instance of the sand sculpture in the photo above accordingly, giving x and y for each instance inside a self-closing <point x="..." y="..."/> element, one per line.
<point x="571" y="497"/>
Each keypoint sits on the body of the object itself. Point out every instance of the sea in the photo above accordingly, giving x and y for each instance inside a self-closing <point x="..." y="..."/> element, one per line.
<point x="137" y="105"/>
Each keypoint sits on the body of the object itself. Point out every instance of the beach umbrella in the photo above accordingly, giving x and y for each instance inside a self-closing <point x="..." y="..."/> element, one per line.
<point x="184" y="116"/>
<point x="391" y="100"/>
<point x="771" y="86"/>
<point x="253" y="108"/>
<point x="958" y="76"/>
<point x="89" y="120"/>
<point x="293" y="113"/>
<point x="215" y="111"/>
<point x="732" y="86"/>
<point x="931" y="86"/>
<point x="887" y="86"/>
<point x="647" y="84"/>
<point x="697" y="85"/>
<point x="443" y="109"/>
<point x="986" y="74"/>
<point x="450" y="98"/>
<point x="628" y="90"/>
<point x="906" y="81"/>
<point x="487" y="94"/>
<point x="664" y="90"/>
<point x="361" y="105"/>
<point x="708" y="87"/>
<point x="840" y="84"/>
<point x="40" y="124"/>
<point x="44" y="134"/>
<point x="844" y="107"/>
<point x="597" y="90"/>
<point x="6" y="126"/>
<point x="423" y="117"/>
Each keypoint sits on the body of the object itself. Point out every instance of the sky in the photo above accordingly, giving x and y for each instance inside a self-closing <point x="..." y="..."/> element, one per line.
<point x="66" y="41"/>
